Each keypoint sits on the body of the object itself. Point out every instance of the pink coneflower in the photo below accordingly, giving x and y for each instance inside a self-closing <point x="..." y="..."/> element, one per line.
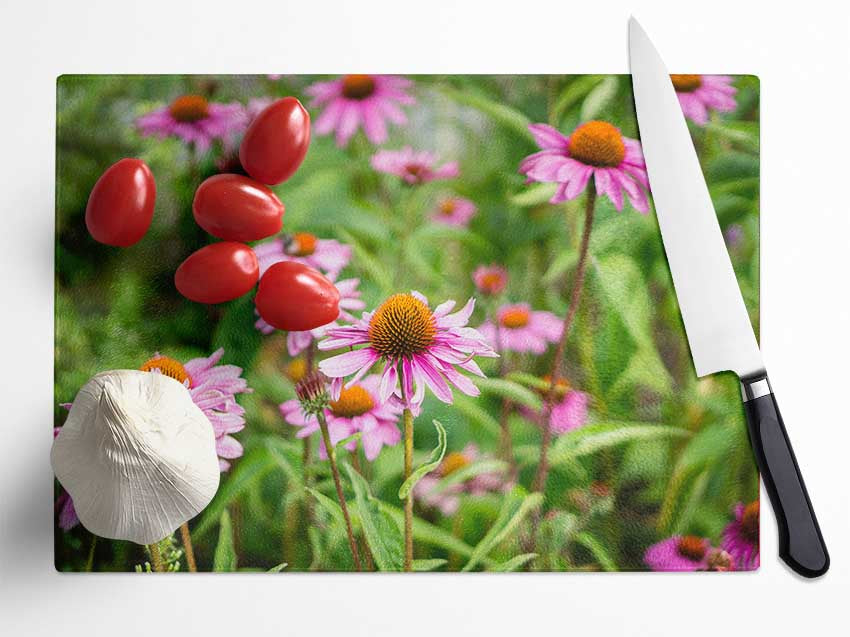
<point x="699" y="94"/>
<point x="64" y="505"/>
<point x="327" y="255"/>
<point x="454" y="211"/>
<point x="196" y="121"/>
<point x="490" y="280"/>
<point x="213" y="388"/>
<point x="418" y="347"/>
<point x="414" y="167"/>
<point x="257" y="105"/>
<point x="679" y="553"/>
<point x="353" y="101"/>
<point x="358" y="409"/>
<point x="741" y="537"/>
<point x="349" y="301"/>
<point x="447" y="499"/>
<point x="569" y="407"/>
<point x="520" y="329"/>
<point x="594" y="149"/>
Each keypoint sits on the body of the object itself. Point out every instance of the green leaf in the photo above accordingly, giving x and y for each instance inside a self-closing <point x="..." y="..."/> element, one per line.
<point x="328" y="505"/>
<point x="513" y="564"/>
<point x="428" y="565"/>
<point x="593" y="438"/>
<point x="355" y="437"/>
<point x="381" y="532"/>
<point x="559" y="266"/>
<point x="510" y="390"/>
<point x="433" y="462"/>
<point x="533" y="195"/>
<point x="503" y="114"/>
<point x="746" y="134"/>
<point x="708" y="448"/>
<point x="529" y="380"/>
<point x="572" y="93"/>
<point x="224" y="559"/>
<point x="280" y="454"/>
<point x="598" y="550"/>
<point x="429" y="534"/>
<point x="240" y="344"/>
<point x="369" y="263"/>
<point x="278" y="568"/>
<point x="688" y="509"/>
<point x="515" y="508"/>
<point x="437" y="233"/>
<point x="626" y="293"/>
<point x="473" y="410"/>
<point x="248" y="472"/>
<point x="599" y="98"/>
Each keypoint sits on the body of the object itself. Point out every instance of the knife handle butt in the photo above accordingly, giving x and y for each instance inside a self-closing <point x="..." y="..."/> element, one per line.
<point x="801" y="544"/>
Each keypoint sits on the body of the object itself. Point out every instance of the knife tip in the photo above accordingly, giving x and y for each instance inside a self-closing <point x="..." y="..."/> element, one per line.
<point x="634" y="27"/>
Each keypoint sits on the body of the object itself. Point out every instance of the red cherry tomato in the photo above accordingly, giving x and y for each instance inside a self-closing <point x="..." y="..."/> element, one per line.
<point x="276" y="141"/>
<point x="217" y="273"/>
<point x="120" y="206"/>
<point x="237" y="208"/>
<point x="295" y="297"/>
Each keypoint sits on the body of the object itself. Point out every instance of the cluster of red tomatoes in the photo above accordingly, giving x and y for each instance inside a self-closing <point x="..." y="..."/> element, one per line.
<point x="236" y="209"/>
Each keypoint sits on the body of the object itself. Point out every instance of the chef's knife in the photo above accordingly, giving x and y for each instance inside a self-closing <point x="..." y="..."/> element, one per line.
<point x="719" y="331"/>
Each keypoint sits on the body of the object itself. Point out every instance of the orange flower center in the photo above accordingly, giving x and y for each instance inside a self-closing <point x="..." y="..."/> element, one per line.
<point x="358" y="87"/>
<point x="515" y="317"/>
<point x="453" y="461"/>
<point x="401" y="327"/>
<point x="491" y="282"/>
<point x="597" y="144"/>
<point x="303" y="244"/>
<point x="168" y="366"/>
<point x="750" y="522"/>
<point x="189" y="108"/>
<point x="686" y="83"/>
<point x="296" y="369"/>
<point x="561" y="389"/>
<point x="353" y="401"/>
<point x="691" y="547"/>
<point x="447" y="207"/>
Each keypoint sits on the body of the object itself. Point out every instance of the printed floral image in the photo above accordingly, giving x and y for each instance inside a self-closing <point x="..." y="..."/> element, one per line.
<point x="492" y="374"/>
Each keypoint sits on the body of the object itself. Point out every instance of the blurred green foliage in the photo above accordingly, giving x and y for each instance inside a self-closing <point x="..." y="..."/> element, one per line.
<point x="663" y="454"/>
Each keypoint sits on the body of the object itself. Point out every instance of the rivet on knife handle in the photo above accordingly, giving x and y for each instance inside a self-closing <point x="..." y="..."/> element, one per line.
<point x="801" y="544"/>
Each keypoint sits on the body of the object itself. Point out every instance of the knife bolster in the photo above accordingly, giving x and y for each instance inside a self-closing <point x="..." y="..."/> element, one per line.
<point x="755" y="387"/>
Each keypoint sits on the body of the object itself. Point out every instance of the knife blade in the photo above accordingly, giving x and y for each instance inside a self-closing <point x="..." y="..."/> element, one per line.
<point x="717" y="325"/>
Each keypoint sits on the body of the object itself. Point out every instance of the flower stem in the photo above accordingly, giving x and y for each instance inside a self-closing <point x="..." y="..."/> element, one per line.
<point x="408" y="502"/>
<point x="90" y="560"/>
<point x="156" y="558"/>
<point x="326" y="436"/>
<point x="187" y="546"/>
<point x="506" y="445"/>
<point x="539" y="483"/>
<point x="310" y="357"/>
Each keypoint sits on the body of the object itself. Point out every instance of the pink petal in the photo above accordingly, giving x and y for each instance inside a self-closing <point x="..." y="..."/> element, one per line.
<point x="349" y="362"/>
<point x="548" y="137"/>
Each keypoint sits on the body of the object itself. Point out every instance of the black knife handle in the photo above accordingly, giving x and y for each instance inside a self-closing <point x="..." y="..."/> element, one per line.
<point x="801" y="544"/>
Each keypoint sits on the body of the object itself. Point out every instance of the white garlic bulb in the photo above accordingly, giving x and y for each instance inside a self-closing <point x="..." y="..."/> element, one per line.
<point x="136" y="455"/>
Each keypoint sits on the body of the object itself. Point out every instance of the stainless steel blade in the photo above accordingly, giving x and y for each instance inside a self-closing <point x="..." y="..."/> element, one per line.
<point x="718" y="327"/>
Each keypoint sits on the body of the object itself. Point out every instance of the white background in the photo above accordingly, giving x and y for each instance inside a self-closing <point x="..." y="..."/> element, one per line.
<point x="801" y="54"/>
